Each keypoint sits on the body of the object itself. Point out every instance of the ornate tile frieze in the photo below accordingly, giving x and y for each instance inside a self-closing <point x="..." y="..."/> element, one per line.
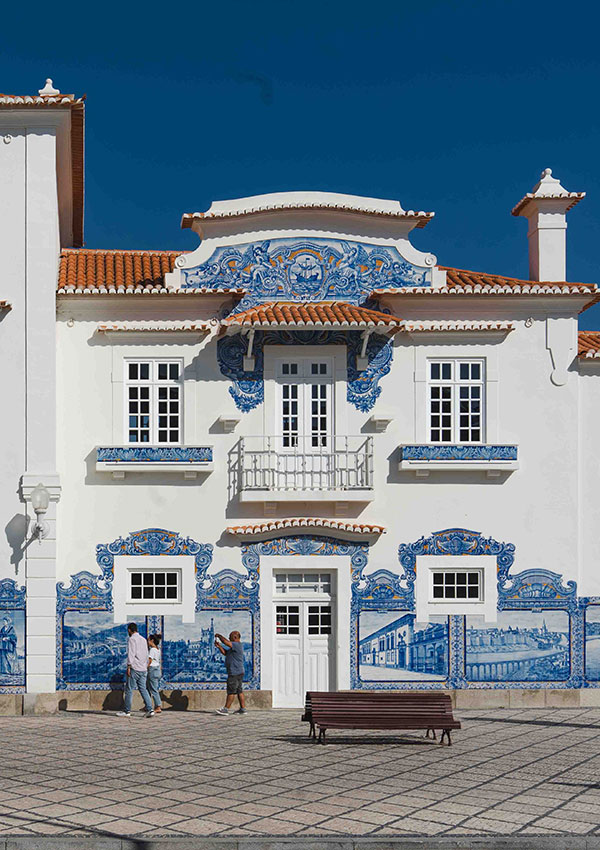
<point x="154" y="454"/>
<point x="458" y="452"/>
<point x="305" y="270"/>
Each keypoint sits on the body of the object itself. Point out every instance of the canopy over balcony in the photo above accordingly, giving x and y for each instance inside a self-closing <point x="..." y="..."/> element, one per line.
<point x="283" y="315"/>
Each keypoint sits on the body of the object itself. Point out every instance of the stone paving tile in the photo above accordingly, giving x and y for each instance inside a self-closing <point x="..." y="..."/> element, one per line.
<point x="524" y="779"/>
<point x="122" y="810"/>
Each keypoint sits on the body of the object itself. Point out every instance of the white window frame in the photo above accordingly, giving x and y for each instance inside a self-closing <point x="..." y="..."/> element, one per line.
<point x="454" y="571"/>
<point x="304" y="379"/>
<point x="153" y="571"/>
<point x="276" y="354"/>
<point x="154" y="384"/>
<point x="486" y="606"/>
<point x="455" y="346"/>
<point x="125" y="609"/>
<point x="454" y="383"/>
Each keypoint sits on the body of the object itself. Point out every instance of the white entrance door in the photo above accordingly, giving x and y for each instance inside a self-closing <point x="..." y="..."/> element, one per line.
<point x="304" y="637"/>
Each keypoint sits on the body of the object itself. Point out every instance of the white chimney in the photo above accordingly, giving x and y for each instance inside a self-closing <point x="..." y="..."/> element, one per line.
<point x="546" y="209"/>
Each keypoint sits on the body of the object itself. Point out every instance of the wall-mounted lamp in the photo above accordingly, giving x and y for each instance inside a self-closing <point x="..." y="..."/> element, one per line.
<point x="40" y="499"/>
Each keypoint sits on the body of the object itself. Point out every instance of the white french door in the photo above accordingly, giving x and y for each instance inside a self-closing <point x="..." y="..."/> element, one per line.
<point x="305" y="423"/>
<point x="305" y="409"/>
<point x="304" y="639"/>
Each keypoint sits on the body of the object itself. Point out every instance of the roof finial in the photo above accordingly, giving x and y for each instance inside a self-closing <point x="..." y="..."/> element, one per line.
<point x="547" y="172"/>
<point x="48" y="90"/>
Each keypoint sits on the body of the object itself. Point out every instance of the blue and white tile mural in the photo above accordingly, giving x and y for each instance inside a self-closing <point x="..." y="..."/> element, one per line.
<point x="12" y="647"/>
<point x="394" y="647"/>
<point x="94" y="647"/>
<point x="189" y="652"/>
<point x="592" y="642"/>
<point x="523" y="646"/>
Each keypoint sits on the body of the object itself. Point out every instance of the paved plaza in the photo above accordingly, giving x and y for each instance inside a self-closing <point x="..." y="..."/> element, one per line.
<point x="509" y="773"/>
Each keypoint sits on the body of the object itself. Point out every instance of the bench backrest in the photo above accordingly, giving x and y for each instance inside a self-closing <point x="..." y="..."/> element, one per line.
<point x="396" y="703"/>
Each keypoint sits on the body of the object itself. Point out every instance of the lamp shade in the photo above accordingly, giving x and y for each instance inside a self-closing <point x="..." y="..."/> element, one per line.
<point x="40" y="499"/>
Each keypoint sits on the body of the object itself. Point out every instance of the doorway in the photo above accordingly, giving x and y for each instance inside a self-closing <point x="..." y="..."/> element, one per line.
<point x="304" y="639"/>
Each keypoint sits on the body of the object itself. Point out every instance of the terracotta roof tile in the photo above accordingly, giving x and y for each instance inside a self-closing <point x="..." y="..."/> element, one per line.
<point x="86" y="272"/>
<point x="311" y="314"/>
<point x="464" y="282"/>
<point x="4" y="305"/>
<point x="268" y="526"/>
<point x="588" y="344"/>
<point x="456" y="325"/>
<point x="158" y="327"/>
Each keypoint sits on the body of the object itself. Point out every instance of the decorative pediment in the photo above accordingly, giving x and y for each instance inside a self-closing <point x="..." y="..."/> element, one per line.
<point x="304" y="270"/>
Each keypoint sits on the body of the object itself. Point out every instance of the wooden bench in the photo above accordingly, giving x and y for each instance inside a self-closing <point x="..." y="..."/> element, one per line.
<point x="361" y="710"/>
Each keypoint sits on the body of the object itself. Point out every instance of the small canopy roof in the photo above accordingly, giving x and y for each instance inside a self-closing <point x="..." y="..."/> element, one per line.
<point x="312" y="314"/>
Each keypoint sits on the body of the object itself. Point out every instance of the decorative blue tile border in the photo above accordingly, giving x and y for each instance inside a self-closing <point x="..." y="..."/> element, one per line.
<point x="301" y="270"/>
<point x="458" y="452"/>
<point x="154" y="454"/>
<point x="248" y="392"/>
<point x="535" y="591"/>
<point x="89" y="593"/>
<point x="12" y="606"/>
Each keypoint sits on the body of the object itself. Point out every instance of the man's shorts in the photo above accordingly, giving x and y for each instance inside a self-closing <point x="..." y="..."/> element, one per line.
<point x="234" y="684"/>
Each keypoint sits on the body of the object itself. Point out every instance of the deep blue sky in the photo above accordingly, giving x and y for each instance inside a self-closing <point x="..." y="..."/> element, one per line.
<point x="448" y="106"/>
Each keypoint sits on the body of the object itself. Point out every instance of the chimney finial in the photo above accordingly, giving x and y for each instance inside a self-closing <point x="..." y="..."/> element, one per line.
<point x="48" y="90"/>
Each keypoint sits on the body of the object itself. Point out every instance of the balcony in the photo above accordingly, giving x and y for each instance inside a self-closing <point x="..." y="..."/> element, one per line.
<point x="339" y="470"/>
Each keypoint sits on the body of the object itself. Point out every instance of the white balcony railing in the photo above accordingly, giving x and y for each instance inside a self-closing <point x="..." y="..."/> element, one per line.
<point x="339" y="463"/>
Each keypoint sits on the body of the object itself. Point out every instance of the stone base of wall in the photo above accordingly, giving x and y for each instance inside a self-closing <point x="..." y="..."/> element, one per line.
<point x="17" y="704"/>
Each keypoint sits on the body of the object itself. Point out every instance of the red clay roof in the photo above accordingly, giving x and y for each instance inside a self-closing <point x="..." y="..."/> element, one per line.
<point x="588" y="344"/>
<point x="4" y="305"/>
<point x="131" y="272"/>
<point x="311" y="314"/>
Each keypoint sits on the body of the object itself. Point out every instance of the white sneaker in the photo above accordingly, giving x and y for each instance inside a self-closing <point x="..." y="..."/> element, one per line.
<point x="224" y="712"/>
<point x="123" y="714"/>
<point x="150" y="714"/>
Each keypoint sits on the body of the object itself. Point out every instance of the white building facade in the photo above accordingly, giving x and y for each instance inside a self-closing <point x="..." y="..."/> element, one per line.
<point x="380" y="470"/>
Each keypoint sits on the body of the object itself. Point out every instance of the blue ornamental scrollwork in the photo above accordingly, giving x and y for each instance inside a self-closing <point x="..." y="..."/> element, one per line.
<point x="11" y="595"/>
<point x="152" y="541"/>
<point x="228" y="589"/>
<point x="306" y="544"/>
<point x="458" y="452"/>
<point x="455" y="541"/>
<point x="300" y="270"/>
<point x="154" y="454"/>
<point x="536" y="589"/>
<point x="363" y="388"/>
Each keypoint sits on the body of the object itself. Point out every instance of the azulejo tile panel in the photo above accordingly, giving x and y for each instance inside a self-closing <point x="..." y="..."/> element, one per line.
<point x="545" y="636"/>
<point x="305" y="270"/>
<point x="12" y="637"/>
<point x="248" y="390"/>
<point x="154" y="454"/>
<point x="458" y="452"/>
<point x="91" y="648"/>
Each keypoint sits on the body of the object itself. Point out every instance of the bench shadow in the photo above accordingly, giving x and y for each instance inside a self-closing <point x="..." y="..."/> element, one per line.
<point x="536" y="722"/>
<point x="362" y="739"/>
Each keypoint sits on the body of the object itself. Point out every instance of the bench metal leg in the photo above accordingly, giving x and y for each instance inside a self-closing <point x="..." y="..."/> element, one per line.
<point x="446" y="732"/>
<point x="312" y="732"/>
<point x="321" y="736"/>
<point x="433" y="735"/>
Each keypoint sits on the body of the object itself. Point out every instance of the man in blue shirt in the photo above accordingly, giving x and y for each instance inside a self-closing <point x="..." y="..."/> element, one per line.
<point x="233" y="651"/>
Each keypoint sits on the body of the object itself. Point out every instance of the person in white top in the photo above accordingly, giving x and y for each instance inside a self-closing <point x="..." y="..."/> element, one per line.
<point x="154" y="671"/>
<point x="137" y="671"/>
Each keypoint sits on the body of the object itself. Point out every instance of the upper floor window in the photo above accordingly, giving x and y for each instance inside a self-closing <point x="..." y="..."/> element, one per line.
<point x="305" y="402"/>
<point x="456" y="401"/>
<point x="153" y="401"/>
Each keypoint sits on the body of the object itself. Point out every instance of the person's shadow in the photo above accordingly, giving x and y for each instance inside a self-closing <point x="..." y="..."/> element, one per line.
<point x="177" y="701"/>
<point x="113" y="701"/>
